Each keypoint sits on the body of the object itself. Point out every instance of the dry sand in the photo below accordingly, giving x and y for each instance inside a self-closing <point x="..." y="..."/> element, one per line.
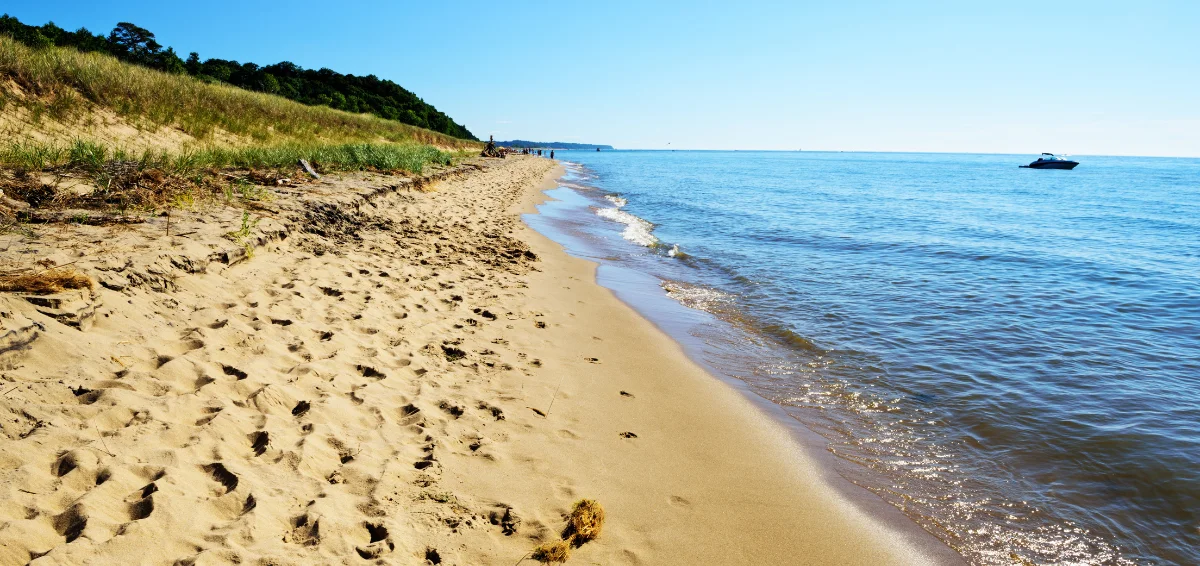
<point x="394" y="376"/>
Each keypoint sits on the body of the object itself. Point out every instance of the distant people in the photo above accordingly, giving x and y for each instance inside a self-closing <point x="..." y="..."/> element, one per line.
<point x="539" y="153"/>
<point x="552" y="154"/>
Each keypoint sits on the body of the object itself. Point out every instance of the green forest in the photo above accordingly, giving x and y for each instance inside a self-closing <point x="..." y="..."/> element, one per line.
<point x="351" y="93"/>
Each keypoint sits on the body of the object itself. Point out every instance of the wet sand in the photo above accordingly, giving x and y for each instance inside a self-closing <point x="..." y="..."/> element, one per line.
<point x="395" y="373"/>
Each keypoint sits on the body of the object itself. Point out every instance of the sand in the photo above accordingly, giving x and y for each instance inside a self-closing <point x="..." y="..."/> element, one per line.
<point x="383" y="371"/>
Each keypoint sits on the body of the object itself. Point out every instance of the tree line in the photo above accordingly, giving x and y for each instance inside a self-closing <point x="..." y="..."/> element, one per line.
<point x="137" y="45"/>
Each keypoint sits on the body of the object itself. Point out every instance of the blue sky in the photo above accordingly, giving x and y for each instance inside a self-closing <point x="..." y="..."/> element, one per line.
<point x="1097" y="77"/>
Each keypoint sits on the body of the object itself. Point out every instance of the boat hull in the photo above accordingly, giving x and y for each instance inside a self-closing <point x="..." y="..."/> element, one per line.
<point x="1051" y="165"/>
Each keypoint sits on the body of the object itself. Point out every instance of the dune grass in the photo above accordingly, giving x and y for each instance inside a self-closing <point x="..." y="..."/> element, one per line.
<point x="149" y="181"/>
<point x="45" y="282"/>
<point x="228" y="130"/>
<point x="64" y="83"/>
<point x="90" y="157"/>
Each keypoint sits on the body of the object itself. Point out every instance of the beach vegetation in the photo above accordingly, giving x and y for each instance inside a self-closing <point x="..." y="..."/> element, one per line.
<point x="554" y="552"/>
<point x="63" y="83"/>
<point x="219" y="139"/>
<point x="45" y="282"/>
<point x="584" y="524"/>
<point x="137" y="46"/>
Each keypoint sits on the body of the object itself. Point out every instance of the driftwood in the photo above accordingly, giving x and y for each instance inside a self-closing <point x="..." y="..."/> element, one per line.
<point x="11" y="204"/>
<point x="88" y="217"/>
<point x="490" y="150"/>
<point x="309" y="169"/>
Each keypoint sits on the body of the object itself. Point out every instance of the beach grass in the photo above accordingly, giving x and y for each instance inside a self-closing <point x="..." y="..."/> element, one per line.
<point x="585" y="522"/>
<point x="91" y="156"/>
<point x="45" y="282"/>
<point x="62" y="83"/>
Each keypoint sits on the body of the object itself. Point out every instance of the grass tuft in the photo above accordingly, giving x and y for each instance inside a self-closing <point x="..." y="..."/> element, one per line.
<point x="585" y="522"/>
<point x="583" y="525"/>
<point x="555" y="552"/>
<point x="46" y="282"/>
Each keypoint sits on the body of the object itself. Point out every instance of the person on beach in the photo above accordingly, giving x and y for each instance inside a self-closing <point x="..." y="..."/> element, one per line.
<point x="552" y="154"/>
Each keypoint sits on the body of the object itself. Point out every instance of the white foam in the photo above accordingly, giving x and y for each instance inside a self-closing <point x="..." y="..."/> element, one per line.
<point x="698" y="297"/>
<point x="616" y="200"/>
<point x="637" y="230"/>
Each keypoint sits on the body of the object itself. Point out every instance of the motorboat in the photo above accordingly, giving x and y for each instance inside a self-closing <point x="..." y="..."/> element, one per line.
<point x="1051" y="161"/>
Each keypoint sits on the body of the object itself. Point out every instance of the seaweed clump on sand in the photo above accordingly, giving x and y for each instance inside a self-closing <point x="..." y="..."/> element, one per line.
<point x="583" y="525"/>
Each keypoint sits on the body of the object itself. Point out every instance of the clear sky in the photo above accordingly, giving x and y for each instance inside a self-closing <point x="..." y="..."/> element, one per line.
<point x="1096" y="77"/>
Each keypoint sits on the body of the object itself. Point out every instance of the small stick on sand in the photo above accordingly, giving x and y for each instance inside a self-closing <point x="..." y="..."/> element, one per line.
<point x="105" y="445"/>
<point x="560" y="382"/>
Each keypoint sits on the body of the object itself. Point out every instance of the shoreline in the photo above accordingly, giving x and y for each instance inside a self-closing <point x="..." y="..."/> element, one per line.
<point x="384" y="369"/>
<point x="740" y="406"/>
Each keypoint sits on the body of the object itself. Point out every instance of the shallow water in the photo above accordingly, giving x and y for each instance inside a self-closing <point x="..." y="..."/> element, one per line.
<point x="1009" y="356"/>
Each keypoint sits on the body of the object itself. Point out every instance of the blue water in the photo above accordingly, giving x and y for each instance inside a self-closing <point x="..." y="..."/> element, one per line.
<point x="1010" y="356"/>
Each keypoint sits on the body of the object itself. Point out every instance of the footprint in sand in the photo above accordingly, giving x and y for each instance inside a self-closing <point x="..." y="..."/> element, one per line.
<point x="223" y="476"/>
<point x="368" y="371"/>
<point x="379" y="542"/>
<point x="71" y="523"/>
<point x="230" y="370"/>
<point x="141" y="502"/>
<point x="454" y="410"/>
<point x="259" y="441"/>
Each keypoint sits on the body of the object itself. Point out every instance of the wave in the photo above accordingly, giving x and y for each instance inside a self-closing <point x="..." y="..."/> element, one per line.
<point x="637" y="230"/>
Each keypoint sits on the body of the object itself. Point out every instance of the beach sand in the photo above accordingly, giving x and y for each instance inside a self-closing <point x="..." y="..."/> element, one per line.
<point x="373" y="370"/>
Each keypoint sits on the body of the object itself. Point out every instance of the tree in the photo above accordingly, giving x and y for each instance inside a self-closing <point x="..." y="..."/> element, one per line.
<point x="193" y="63"/>
<point x="270" y="83"/>
<point x="133" y="43"/>
<point x="170" y="62"/>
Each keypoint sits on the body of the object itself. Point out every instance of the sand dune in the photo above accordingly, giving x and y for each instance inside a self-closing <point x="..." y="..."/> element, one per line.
<point x="379" y="371"/>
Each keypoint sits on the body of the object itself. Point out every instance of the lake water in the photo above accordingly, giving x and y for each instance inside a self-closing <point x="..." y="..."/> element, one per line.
<point x="1009" y="356"/>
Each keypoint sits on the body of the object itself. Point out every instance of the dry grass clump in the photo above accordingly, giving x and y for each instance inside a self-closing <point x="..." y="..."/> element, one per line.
<point x="555" y="552"/>
<point x="585" y="522"/>
<point x="45" y="282"/>
<point x="583" y="525"/>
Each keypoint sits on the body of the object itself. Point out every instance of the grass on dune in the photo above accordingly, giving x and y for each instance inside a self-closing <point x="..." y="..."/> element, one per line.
<point x="89" y="157"/>
<point x="258" y="137"/>
<point x="45" y="282"/>
<point x="148" y="181"/>
<point x="65" y="83"/>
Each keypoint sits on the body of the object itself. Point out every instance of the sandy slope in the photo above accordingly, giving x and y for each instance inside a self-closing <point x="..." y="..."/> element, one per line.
<point x="407" y="377"/>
